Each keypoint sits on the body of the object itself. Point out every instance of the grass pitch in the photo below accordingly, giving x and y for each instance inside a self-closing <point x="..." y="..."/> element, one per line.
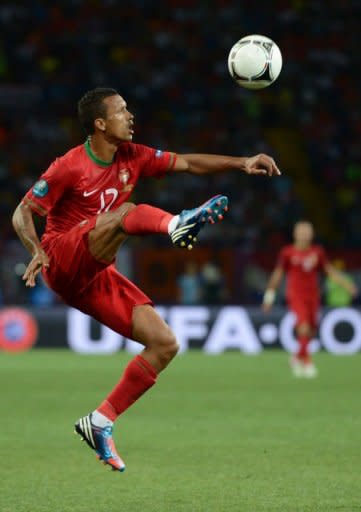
<point x="217" y="433"/>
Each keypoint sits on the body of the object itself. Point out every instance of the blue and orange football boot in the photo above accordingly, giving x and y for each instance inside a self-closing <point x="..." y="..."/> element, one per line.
<point x="101" y="440"/>
<point x="192" y="221"/>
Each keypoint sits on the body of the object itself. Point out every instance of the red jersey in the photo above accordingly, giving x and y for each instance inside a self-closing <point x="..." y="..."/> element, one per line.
<point x="302" y="268"/>
<point x="78" y="186"/>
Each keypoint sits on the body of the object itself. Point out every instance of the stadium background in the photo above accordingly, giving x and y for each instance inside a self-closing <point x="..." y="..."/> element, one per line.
<point x="227" y="433"/>
<point x="170" y="65"/>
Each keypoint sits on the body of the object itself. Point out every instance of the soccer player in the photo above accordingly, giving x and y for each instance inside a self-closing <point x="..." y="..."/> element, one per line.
<point x="302" y="262"/>
<point x="84" y="195"/>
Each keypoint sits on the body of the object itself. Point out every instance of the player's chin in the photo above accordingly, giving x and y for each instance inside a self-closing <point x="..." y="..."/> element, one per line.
<point x="123" y="136"/>
<point x="128" y="137"/>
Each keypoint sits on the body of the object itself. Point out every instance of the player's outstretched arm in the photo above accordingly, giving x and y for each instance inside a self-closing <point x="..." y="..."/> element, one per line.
<point x="206" y="164"/>
<point x="273" y="284"/>
<point x="24" y="226"/>
<point x="336" y="276"/>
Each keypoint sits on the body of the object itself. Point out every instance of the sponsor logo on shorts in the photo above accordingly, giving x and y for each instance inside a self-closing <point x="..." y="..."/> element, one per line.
<point x="41" y="188"/>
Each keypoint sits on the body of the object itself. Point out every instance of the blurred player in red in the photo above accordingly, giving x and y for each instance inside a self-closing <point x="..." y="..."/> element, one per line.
<point x="84" y="195"/>
<point x="302" y="262"/>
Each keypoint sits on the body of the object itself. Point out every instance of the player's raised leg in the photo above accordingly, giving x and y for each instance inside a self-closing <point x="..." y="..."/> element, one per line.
<point x="140" y="374"/>
<point x="112" y="228"/>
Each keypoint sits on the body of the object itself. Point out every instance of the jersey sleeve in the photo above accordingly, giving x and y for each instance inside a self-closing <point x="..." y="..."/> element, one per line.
<point x="282" y="260"/>
<point x="153" y="162"/>
<point x="322" y="258"/>
<point x="49" y="188"/>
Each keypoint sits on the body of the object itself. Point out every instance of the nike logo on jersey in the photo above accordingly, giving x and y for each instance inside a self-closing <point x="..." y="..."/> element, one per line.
<point x="86" y="194"/>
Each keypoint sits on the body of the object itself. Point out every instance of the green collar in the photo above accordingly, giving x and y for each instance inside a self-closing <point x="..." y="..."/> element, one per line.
<point x="92" y="156"/>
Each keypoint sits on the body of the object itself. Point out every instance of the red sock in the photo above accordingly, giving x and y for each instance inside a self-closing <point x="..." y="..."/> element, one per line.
<point x="145" y="219"/>
<point x="137" y="378"/>
<point x="303" y="353"/>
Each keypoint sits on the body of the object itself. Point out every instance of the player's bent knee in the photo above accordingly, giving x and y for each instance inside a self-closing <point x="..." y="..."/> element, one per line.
<point x="167" y="347"/>
<point x="114" y="221"/>
<point x="122" y="212"/>
<point x="173" y="349"/>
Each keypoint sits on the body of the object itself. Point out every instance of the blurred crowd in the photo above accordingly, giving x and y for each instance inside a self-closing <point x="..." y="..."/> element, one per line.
<point x="169" y="60"/>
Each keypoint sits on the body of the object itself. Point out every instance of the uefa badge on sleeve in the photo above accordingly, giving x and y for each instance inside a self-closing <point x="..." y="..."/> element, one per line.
<point x="41" y="188"/>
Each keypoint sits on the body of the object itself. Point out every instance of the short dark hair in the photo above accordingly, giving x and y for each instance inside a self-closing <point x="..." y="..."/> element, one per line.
<point x="91" y="106"/>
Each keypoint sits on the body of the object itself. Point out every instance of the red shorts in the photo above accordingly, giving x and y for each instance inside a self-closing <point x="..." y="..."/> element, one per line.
<point x="305" y="309"/>
<point x="94" y="287"/>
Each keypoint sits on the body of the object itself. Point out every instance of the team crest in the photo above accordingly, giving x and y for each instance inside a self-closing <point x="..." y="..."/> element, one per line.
<point x="124" y="176"/>
<point x="310" y="262"/>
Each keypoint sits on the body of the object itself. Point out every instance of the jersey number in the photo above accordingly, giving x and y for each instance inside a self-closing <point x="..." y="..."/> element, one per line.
<point x="113" y="192"/>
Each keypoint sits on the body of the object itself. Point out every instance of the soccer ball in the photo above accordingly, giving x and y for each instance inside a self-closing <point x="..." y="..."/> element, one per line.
<point x="255" y="62"/>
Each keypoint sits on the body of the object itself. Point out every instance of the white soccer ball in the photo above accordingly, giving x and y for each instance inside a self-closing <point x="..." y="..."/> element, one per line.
<point x="255" y="62"/>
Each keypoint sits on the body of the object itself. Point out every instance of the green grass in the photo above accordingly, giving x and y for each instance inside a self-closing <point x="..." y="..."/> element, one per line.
<point x="217" y="433"/>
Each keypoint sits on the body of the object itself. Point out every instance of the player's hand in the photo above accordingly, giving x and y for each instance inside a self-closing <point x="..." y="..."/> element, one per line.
<point x="39" y="260"/>
<point x="354" y="290"/>
<point x="268" y="299"/>
<point x="266" y="308"/>
<point x="261" y="164"/>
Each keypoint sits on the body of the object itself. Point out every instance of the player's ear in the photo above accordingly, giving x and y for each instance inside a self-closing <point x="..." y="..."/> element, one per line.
<point x="99" y="123"/>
